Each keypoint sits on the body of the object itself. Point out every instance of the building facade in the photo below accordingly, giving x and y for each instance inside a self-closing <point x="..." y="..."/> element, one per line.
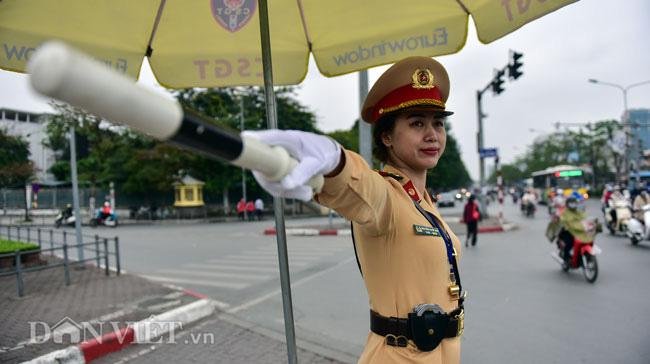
<point x="31" y="127"/>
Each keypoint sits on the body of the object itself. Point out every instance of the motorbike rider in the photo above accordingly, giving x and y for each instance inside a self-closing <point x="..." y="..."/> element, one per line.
<point x="604" y="201"/>
<point x="641" y="200"/>
<point x="528" y="200"/>
<point x="557" y="203"/>
<point x="572" y="226"/>
<point x="106" y="211"/>
<point x="615" y="198"/>
<point x="67" y="211"/>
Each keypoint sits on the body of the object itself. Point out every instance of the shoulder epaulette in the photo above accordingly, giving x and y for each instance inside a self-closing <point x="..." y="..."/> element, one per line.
<point x="388" y="174"/>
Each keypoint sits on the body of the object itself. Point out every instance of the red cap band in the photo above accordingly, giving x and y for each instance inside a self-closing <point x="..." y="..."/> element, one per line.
<point x="407" y="96"/>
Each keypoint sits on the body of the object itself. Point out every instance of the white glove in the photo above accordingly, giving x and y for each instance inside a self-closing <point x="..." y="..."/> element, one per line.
<point x="316" y="155"/>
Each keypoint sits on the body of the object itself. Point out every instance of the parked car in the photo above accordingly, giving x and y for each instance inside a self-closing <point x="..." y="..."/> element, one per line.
<point x="446" y="199"/>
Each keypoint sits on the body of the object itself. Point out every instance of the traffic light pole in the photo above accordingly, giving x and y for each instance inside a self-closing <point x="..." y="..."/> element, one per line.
<point x="497" y="88"/>
<point x="514" y="72"/>
<point x="479" y="136"/>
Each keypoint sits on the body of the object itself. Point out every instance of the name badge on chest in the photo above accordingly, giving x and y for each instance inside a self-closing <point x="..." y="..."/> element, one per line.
<point x="425" y="230"/>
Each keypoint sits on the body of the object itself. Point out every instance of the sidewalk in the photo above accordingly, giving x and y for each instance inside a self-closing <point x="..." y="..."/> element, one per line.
<point x="111" y="312"/>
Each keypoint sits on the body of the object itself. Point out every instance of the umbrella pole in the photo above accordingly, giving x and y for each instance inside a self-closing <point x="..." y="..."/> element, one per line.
<point x="278" y="203"/>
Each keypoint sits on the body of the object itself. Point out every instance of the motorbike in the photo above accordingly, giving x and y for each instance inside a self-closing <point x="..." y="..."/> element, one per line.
<point x="583" y="255"/>
<point x="639" y="230"/>
<point x="528" y="209"/>
<point x="100" y="218"/>
<point x="64" y="219"/>
<point x="623" y="216"/>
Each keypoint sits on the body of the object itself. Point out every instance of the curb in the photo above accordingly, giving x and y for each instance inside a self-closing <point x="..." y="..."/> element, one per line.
<point x="310" y="232"/>
<point x="140" y="332"/>
<point x="490" y="229"/>
<point x="316" y="232"/>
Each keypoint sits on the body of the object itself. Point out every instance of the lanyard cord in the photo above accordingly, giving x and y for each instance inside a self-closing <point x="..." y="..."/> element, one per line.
<point x="451" y="257"/>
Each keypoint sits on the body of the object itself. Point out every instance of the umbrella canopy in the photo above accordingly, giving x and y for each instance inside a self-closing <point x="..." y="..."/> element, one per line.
<point x="213" y="43"/>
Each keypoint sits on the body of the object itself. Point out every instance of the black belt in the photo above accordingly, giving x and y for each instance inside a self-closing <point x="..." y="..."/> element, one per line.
<point x="398" y="330"/>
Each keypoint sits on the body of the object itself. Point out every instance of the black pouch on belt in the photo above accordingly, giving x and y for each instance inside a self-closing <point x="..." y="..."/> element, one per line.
<point x="428" y="324"/>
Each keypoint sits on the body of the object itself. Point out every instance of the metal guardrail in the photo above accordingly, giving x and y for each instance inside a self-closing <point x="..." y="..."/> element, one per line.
<point x="92" y="243"/>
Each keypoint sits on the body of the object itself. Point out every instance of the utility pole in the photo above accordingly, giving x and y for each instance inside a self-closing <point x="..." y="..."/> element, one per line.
<point x="75" y="193"/>
<point x="365" y="142"/>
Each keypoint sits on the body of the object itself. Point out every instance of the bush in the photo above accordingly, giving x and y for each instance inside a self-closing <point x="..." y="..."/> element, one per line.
<point x="9" y="246"/>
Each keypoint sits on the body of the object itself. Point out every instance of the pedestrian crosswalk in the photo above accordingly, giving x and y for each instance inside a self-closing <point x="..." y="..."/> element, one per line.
<point x="242" y="269"/>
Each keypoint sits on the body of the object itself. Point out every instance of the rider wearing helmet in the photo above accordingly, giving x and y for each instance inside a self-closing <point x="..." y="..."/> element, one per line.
<point x="572" y="226"/>
<point x="67" y="211"/>
<point x="617" y="197"/>
<point x="106" y="210"/>
<point x="641" y="200"/>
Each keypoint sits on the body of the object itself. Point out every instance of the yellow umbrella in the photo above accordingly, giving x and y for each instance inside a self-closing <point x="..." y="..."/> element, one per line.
<point x="213" y="43"/>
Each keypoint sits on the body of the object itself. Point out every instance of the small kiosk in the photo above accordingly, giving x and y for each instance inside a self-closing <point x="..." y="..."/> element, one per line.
<point x="188" y="197"/>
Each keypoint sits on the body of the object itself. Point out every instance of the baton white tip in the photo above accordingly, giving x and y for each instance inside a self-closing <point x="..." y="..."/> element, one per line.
<point x="47" y="67"/>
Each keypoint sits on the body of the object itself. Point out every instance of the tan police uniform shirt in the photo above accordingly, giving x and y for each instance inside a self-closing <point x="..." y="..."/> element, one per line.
<point x="400" y="269"/>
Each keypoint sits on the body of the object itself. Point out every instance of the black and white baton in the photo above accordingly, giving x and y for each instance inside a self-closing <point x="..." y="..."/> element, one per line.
<point x="68" y="75"/>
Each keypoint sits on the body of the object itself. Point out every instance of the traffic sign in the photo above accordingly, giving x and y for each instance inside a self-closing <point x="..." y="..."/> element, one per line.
<point x="488" y="152"/>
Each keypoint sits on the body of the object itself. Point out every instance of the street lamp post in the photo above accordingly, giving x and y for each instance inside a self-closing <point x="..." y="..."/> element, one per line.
<point x="243" y="170"/>
<point x="626" y="117"/>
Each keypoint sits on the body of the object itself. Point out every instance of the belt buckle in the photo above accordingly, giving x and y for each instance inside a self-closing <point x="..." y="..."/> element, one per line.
<point x="461" y="323"/>
<point x="400" y="341"/>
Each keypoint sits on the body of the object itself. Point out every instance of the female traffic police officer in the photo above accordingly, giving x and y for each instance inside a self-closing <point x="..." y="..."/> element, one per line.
<point x="406" y="252"/>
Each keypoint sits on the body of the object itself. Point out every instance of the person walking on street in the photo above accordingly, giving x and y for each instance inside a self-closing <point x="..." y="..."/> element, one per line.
<point x="406" y="252"/>
<point x="250" y="210"/>
<point x="241" y="208"/>
<point x="259" y="208"/>
<point x="471" y="216"/>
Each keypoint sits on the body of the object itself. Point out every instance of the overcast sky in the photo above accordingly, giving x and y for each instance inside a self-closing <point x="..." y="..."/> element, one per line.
<point x="601" y="39"/>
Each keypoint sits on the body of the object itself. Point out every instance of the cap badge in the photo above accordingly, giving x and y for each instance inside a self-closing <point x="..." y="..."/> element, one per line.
<point x="422" y="78"/>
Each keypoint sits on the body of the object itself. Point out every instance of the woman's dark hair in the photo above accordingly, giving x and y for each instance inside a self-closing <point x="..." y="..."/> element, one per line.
<point x="384" y="125"/>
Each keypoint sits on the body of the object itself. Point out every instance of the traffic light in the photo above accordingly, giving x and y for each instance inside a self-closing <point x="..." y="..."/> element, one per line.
<point x="514" y="71"/>
<point x="497" y="82"/>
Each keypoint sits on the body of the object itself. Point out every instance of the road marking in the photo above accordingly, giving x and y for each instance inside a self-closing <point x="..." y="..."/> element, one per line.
<point x="269" y="258"/>
<point x="198" y="282"/>
<point x="308" y="248"/>
<point x="291" y="252"/>
<point x="253" y="262"/>
<point x="294" y="285"/>
<point x="244" y="262"/>
<point x="213" y="274"/>
<point x="226" y="267"/>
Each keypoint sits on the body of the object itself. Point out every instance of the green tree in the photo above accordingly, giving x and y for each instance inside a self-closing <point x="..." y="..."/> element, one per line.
<point x="511" y="174"/>
<point x="586" y="146"/>
<point x="15" y="167"/>
<point x="224" y="107"/>
<point x="102" y="148"/>
<point x="106" y="152"/>
<point x="450" y="173"/>
<point x="349" y="139"/>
